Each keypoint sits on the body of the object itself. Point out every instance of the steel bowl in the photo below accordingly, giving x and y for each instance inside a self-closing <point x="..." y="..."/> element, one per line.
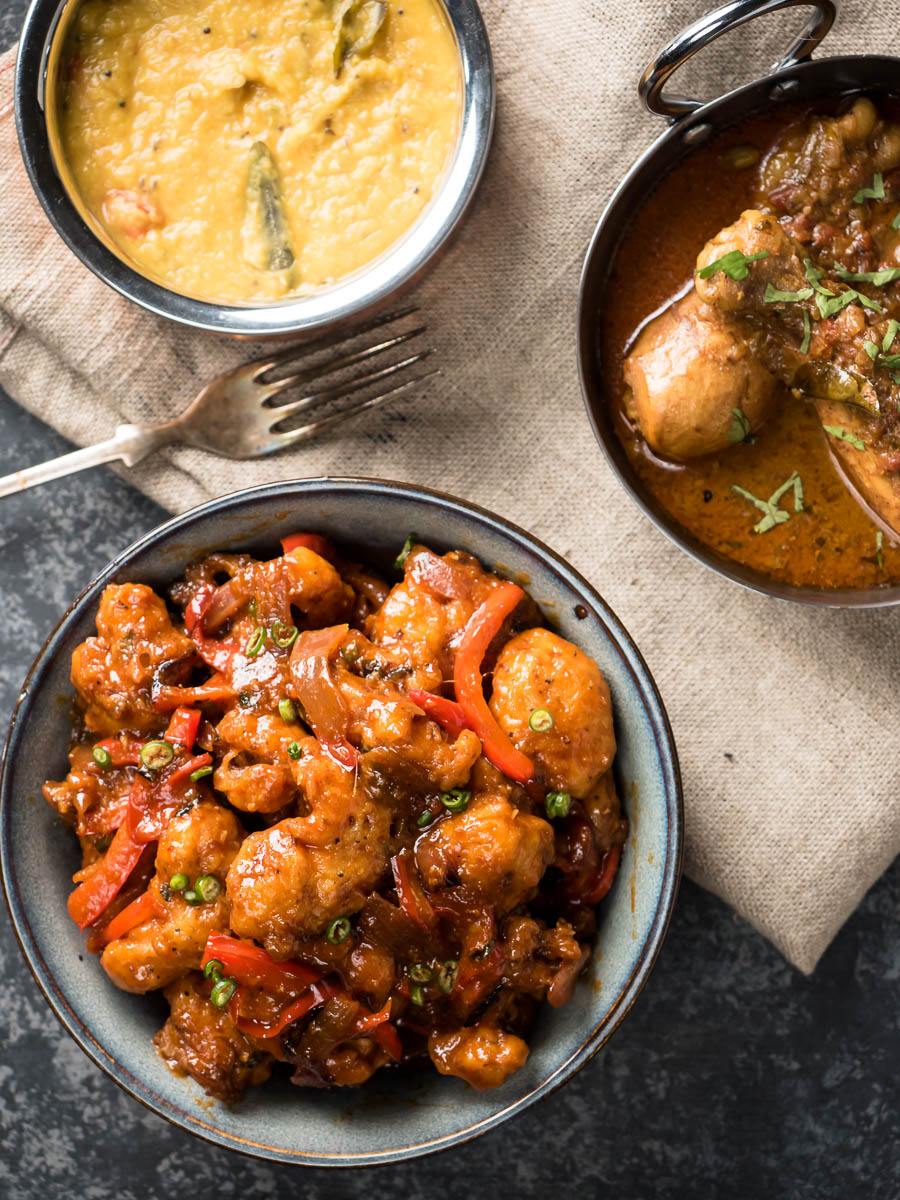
<point x="400" y="1113"/>
<point x="796" y="78"/>
<point x="342" y="303"/>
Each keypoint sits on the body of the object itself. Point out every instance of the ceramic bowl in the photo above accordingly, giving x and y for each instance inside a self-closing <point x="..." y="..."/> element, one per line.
<point x="400" y="1113"/>
<point x="333" y="307"/>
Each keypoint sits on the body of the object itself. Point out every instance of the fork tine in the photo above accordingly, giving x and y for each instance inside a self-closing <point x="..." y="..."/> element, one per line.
<point x="301" y="349"/>
<point x="338" y="364"/>
<point x="308" y="431"/>
<point x="284" y="411"/>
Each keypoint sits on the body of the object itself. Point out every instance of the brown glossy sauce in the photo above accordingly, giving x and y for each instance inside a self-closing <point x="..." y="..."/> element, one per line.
<point x="833" y="543"/>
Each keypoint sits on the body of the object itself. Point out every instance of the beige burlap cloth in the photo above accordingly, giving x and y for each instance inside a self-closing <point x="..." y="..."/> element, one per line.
<point x="785" y="717"/>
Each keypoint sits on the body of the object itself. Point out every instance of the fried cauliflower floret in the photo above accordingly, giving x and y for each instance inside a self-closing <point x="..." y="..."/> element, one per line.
<point x="113" y="672"/>
<point x="288" y="881"/>
<point x="202" y="841"/>
<point x="264" y="785"/>
<point x="539" y="670"/>
<point x="422" y="617"/>
<point x="493" y="848"/>
<point x="309" y="582"/>
<point x="483" y="1055"/>
<point x="203" y="1041"/>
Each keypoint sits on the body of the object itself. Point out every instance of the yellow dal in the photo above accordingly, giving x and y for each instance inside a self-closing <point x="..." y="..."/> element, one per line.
<point x="157" y="118"/>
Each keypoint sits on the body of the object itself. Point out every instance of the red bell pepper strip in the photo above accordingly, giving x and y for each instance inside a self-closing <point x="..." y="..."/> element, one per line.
<point x="606" y="875"/>
<point x="218" y="655"/>
<point x="251" y="966"/>
<point x="125" y="753"/>
<point x="214" y="691"/>
<point x="183" y="726"/>
<point x="481" y="629"/>
<point x="315" y="996"/>
<point x="412" y="899"/>
<point x="448" y="714"/>
<point x="388" y="1038"/>
<point x="310" y="541"/>
<point x="182" y="773"/>
<point x="136" y="913"/>
<point x="108" y="876"/>
<point x="370" y="1021"/>
<point x="151" y="817"/>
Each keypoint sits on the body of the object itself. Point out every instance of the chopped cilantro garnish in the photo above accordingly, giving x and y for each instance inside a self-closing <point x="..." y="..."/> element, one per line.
<point x="890" y="361"/>
<point x="733" y="264"/>
<point x="772" y="514"/>
<point x="890" y="333"/>
<point x="871" y="349"/>
<point x="739" y="429"/>
<point x="774" y="295"/>
<point x="813" y="274"/>
<point x="828" y="308"/>
<point x="879" y="278"/>
<point x="844" y="436"/>
<point x="807" y="332"/>
<point x="867" y="303"/>
<point x="875" y="192"/>
<point x="895" y="224"/>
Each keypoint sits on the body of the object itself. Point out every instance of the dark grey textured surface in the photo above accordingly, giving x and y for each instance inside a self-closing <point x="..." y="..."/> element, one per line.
<point x="733" y="1077"/>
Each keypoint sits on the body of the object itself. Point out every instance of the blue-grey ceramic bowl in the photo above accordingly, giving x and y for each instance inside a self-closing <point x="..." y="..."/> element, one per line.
<point x="405" y="1112"/>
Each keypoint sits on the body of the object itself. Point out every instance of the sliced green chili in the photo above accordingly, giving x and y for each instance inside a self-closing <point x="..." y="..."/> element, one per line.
<point x="156" y="754"/>
<point x="213" y="968"/>
<point x="338" y="931"/>
<point x="456" y="800"/>
<point x="207" y="888"/>
<point x="295" y="751"/>
<point x="255" y="641"/>
<point x="446" y="976"/>
<point x="101" y="757"/>
<point x="284" y="635"/>
<point x="179" y="882"/>
<point x="201" y="773"/>
<point x="287" y="711"/>
<point x="420" y="972"/>
<point x="222" y="992"/>
<point x="557" y="804"/>
<point x="541" y="720"/>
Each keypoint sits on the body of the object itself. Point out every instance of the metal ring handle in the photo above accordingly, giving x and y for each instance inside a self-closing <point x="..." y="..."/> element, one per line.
<point x="712" y="26"/>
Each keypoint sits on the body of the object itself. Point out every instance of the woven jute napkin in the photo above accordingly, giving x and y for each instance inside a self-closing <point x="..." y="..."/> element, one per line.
<point x="784" y="716"/>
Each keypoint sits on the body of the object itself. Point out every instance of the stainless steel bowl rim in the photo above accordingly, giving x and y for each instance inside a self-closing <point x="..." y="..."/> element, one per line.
<point x="348" y="300"/>
<point x="798" y="81"/>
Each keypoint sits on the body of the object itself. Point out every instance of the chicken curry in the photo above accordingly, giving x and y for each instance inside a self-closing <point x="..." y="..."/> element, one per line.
<point x="757" y="341"/>
<point x="308" y="821"/>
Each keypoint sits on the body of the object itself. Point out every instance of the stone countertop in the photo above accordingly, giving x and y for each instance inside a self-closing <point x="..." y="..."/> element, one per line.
<point x="734" y="1076"/>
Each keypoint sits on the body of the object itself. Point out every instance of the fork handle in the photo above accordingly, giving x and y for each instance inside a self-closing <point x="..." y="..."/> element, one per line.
<point x="131" y="443"/>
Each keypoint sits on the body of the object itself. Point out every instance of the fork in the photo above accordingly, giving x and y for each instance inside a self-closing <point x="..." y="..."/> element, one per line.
<point x="239" y="414"/>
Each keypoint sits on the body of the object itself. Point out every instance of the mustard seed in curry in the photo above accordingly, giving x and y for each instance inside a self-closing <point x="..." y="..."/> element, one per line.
<point x="760" y="358"/>
<point x="244" y="151"/>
